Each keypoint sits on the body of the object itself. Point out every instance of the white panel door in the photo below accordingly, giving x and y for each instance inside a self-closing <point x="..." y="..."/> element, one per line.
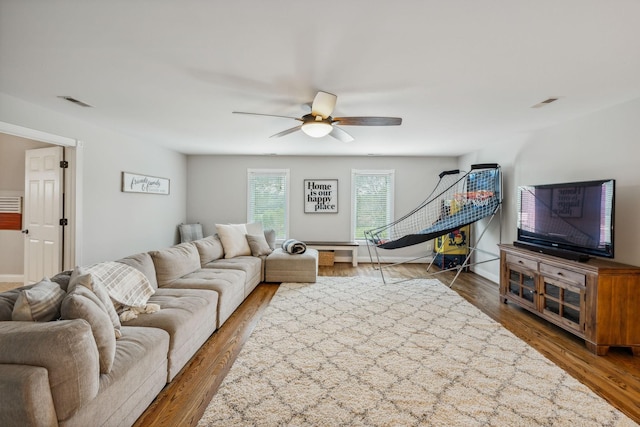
<point x="43" y="210"/>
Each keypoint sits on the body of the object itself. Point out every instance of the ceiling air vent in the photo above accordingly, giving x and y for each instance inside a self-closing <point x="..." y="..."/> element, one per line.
<point x="75" y="101"/>
<point x="546" y="102"/>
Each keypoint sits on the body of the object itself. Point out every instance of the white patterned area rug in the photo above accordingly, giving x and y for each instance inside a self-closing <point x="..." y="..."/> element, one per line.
<point x="353" y="351"/>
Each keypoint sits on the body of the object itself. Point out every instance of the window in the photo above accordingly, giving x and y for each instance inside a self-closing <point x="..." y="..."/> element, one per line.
<point x="372" y="200"/>
<point x="268" y="199"/>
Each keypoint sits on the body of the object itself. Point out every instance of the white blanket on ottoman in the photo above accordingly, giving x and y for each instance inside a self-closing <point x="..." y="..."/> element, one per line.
<point x="294" y="246"/>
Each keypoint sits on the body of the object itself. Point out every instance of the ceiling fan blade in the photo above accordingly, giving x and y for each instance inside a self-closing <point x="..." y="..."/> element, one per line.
<point x="341" y="135"/>
<point x="368" y="121"/>
<point x="323" y="104"/>
<point x="268" y="115"/>
<point x="286" y="132"/>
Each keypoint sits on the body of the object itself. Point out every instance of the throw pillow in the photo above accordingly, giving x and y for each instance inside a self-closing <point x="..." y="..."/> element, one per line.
<point x="253" y="228"/>
<point x="62" y="279"/>
<point x="41" y="303"/>
<point x="210" y="249"/>
<point x="81" y="303"/>
<point x="190" y="232"/>
<point x="270" y="236"/>
<point x="258" y="245"/>
<point x="233" y="239"/>
<point x="80" y="277"/>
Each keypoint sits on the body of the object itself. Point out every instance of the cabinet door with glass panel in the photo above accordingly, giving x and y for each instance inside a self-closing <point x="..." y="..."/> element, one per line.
<point x="520" y="284"/>
<point x="562" y="297"/>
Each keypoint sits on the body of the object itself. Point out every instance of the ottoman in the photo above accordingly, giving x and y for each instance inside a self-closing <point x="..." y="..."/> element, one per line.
<point x="281" y="266"/>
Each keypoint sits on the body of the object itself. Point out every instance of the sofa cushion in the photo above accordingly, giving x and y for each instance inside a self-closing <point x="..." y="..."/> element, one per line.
<point x="210" y="249"/>
<point x="26" y="396"/>
<point x="233" y="239"/>
<point x="81" y="303"/>
<point x="80" y="278"/>
<point x="174" y="262"/>
<point x="252" y="267"/>
<point x="188" y="315"/>
<point x="41" y="303"/>
<point x="143" y="263"/>
<point x="258" y="245"/>
<point x="66" y="349"/>
<point x="139" y="373"/>
<point x="228" y="283"/>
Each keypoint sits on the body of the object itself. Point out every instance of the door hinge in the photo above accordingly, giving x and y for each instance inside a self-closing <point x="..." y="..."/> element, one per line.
<point x="63" y="221"/>
<point x="64" y="164"/>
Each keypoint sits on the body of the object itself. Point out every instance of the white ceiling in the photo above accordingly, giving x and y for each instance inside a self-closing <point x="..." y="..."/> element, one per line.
<point x="461" y="74"/>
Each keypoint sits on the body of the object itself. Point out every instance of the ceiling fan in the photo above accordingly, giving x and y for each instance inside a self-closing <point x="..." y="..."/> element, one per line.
<point x="319" y="123"/>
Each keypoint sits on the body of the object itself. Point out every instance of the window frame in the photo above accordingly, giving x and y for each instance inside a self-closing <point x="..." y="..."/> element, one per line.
<point x="251" y="173"/>
<point x="390" y="173"/>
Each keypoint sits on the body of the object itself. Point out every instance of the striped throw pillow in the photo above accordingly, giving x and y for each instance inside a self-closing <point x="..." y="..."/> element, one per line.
<point x="41" y="303"/>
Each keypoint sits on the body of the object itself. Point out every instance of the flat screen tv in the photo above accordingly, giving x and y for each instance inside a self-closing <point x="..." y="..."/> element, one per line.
<point x="574" y="218"/>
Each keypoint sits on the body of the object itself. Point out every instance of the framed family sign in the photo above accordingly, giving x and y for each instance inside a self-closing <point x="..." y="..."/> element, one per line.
<point x="320" y="196"/>
<point x="134" y="183"/>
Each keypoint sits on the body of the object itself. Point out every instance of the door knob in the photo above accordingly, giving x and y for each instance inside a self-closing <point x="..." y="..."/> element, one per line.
<point x="25" y="231"/>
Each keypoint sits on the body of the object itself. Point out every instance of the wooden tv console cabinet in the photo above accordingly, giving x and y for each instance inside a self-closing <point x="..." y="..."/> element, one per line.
<point x="597" y="300"/>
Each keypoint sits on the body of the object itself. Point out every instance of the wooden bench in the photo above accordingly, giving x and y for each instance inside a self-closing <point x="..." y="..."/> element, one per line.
<point x="338" y="246"/>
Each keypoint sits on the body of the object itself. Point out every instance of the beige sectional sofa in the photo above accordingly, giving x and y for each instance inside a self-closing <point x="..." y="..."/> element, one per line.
<point x="53" y="372"/>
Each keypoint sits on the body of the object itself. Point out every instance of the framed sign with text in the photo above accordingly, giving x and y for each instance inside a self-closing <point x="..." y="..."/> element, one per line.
<point x="320" y="196"/>
<point x="134" y="183"/>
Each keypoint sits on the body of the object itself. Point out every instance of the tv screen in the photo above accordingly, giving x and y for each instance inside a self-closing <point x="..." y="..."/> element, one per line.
<point x="575" y="216"/>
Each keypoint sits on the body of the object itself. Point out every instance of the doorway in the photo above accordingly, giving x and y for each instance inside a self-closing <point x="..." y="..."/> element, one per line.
<point x="70" y="250"/>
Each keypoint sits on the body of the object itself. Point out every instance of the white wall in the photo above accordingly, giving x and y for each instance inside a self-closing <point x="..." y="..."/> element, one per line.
<point x="598" y="146"/>
<point x="115" y="224"/>
<point x="217" y="190"/>
<point x="601" y="145"/>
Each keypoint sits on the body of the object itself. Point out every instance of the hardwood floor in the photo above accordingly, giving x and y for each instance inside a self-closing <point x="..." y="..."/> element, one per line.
<point x="616" y="377"/>
<point x="7" y="286"/>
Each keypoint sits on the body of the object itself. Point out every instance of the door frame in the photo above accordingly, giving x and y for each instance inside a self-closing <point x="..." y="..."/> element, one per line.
<point x="72" y="187"/>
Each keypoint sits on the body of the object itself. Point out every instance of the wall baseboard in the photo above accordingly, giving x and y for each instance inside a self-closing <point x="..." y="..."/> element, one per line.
<point x="11" y="278"/>
<point x="487" y="275"/>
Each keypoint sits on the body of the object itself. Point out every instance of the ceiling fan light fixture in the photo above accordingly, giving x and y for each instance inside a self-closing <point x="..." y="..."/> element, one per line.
<point x="319" y="122"/>
<point x="317" y="129"/>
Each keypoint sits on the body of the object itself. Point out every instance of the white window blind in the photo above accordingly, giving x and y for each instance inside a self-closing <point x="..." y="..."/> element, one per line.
<point x="372" y="200"/>
<point x="268" y="199"/>
<point x="10" y="204"/>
